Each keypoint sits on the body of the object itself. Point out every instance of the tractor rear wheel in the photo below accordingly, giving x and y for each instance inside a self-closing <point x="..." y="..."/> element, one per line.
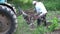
<point x="8" y="22"/>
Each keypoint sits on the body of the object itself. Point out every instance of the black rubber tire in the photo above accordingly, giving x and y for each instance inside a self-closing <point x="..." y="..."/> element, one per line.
<point x="9" y="13"/>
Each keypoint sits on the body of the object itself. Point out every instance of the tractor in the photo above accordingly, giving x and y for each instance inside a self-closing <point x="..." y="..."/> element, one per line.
<point x="8" y="18"/>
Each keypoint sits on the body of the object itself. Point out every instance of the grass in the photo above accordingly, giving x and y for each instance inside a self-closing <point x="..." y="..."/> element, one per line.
<point x="23" y="27"/>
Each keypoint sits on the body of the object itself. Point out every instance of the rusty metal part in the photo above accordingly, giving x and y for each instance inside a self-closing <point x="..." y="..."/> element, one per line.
<point x="5" y="23"/>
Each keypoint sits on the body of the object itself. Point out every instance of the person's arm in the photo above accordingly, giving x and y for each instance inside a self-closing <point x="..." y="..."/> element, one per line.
<point x="42" y="14"/>
<point x="38" y="11"/>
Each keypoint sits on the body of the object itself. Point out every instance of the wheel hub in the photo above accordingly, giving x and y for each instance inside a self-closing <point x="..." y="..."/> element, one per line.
<point x="4" y="23"/>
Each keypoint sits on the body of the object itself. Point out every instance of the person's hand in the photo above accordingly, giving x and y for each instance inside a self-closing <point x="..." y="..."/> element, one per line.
<point x="39" y="16"/>
<point x="36" y="16"/>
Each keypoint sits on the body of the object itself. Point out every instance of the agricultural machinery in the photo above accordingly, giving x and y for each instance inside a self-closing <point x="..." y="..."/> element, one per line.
<point x="8" y="17"/>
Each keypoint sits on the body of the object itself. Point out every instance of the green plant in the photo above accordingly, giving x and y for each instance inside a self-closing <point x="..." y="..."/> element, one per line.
<point x="53" y="25"/>
<point x="42" y="30"/>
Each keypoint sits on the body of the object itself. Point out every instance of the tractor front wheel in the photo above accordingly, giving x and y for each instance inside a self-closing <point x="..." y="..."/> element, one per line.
<point x="8" y="22"/>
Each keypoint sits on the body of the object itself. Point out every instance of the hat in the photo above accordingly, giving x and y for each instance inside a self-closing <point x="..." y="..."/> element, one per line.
<point x="34" y="2"/>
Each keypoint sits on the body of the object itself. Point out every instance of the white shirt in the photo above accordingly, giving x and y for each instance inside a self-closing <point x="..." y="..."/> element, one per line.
<point x="40" y="8"/>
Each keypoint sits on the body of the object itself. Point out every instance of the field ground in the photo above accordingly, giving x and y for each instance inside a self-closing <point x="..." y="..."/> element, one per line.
<point x="23" y="27"/>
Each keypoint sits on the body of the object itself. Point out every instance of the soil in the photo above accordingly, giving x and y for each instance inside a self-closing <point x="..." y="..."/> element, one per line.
<point x="54" y="32"/>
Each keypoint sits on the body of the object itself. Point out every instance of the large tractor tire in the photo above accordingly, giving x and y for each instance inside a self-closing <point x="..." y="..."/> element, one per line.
<point x="8" y="22"/>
